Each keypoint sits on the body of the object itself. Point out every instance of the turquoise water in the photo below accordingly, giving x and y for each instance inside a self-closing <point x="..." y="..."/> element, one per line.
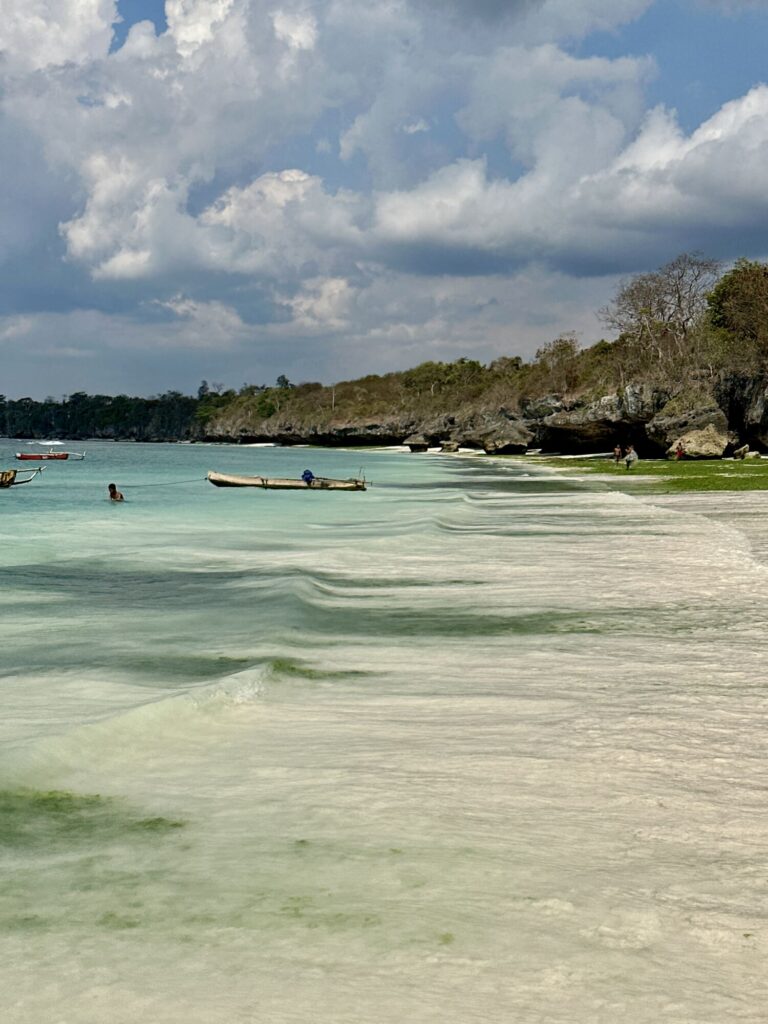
<point x="479" y="744"/>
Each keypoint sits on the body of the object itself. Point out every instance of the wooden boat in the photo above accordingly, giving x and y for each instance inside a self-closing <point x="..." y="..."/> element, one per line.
<point x="48" y="456"/>
<point x="316" y="483"/>
<point x="53" y="453"/>
<point x="11" y="478"/>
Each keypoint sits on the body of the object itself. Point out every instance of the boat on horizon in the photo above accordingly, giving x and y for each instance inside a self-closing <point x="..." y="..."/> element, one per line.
<point x="305" y="483"/>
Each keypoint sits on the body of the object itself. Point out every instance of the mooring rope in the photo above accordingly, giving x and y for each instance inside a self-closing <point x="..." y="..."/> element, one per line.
<point x="167" y="483"/>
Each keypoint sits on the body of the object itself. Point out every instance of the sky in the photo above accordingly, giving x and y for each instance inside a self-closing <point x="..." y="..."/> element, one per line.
<point x="232" y="190"/>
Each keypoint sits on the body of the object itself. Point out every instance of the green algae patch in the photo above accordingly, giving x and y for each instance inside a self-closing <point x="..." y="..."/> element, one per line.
<point x="299" y="670"/>
<point x="312" y="913"/>
<point x="662" y="476"/>
<point x="156" y="825"/>
<point x="45" y="820"/>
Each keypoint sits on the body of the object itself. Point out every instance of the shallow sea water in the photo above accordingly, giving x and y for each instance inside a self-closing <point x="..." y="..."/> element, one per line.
<point x="478" y="744"/>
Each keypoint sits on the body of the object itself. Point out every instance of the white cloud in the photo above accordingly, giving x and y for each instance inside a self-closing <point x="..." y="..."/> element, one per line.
<point x="280" y="222"/>
<point x="414" y="127"/>
<point x="356" y="173"/>
<point x="322" y="304"/>
<point x="714" y="181"/>
<point x="15" y="327"/>
<point x="204" y="324"/>
<point x="539" y="96"/>
<point x="195" y="23"/>
<point x="35" y="34"/>
<point x="163" y="118"/>
<point x="298" y="30"/>
<point x="562" y="19"/>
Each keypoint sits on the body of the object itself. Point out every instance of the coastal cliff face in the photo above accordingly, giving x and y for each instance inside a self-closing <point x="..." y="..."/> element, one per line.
<point x="483" y="429"/>
<point x="745" y="404"/>
<point x="645" y="415"/>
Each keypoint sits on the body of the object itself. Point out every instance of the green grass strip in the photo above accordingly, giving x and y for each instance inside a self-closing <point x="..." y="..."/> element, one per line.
<point x="660" y="476"/>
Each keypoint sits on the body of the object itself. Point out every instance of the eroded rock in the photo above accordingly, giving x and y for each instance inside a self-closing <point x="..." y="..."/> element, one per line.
<point x="708" y="443"/>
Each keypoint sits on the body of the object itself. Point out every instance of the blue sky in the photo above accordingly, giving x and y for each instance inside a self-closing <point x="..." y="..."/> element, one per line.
<point x="703" y="57"/>
<point x="131" y="11"/>
<point x="235" y="189"/>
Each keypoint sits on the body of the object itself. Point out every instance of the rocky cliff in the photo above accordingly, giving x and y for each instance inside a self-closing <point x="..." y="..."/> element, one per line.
<point x="650" y="417"/>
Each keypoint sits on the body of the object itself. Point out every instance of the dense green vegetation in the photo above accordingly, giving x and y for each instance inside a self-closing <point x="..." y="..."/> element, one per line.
<point x="684" y="327"/>
<point x="171" y="416"/>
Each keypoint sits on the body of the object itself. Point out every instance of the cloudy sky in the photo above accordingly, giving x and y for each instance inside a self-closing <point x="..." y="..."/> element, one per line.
<point x="235" y="189"/>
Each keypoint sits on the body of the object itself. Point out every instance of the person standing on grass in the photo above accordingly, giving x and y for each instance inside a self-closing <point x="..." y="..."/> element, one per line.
<point x="630" y="456"/>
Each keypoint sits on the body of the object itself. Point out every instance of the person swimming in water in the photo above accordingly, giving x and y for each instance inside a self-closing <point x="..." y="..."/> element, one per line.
<point x="114" y="494"/>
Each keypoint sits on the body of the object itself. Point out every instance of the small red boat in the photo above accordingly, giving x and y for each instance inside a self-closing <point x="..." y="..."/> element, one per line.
<point x="40" y="456"/>
<point x="51" y="454"/>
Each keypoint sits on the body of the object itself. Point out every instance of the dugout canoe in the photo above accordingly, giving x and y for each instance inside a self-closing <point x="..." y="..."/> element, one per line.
<point x="317" y="483"/>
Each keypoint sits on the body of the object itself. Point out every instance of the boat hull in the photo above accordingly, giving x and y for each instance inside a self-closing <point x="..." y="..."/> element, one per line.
<point x="48" y="456"/>
<point x="318" y="483"/>
<point x="42" y="456"/>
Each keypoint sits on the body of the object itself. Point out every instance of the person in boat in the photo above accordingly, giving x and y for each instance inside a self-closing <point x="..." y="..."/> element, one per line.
<point x="114" y="494"/>
<point x="308" y="476"/>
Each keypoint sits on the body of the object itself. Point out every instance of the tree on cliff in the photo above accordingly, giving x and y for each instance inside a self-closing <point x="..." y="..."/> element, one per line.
<point x="459" y="378"/>
<point x="738" y="306"/>
<point x="658" y="313"/>
<point x="557" y="363"/>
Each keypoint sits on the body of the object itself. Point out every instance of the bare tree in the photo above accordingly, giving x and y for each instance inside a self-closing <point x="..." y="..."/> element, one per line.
<point x="657" y="312"/>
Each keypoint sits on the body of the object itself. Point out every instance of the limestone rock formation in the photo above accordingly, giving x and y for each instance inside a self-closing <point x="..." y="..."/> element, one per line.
<point x="707" y="443"/>
<point x="750" y="400"/>
<point x="509" y="445"/>
<point x="679" y="417"/>
<point x="497" y="431"/>
<point x="417" y="443"/>
<point x="597" y="425"/>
